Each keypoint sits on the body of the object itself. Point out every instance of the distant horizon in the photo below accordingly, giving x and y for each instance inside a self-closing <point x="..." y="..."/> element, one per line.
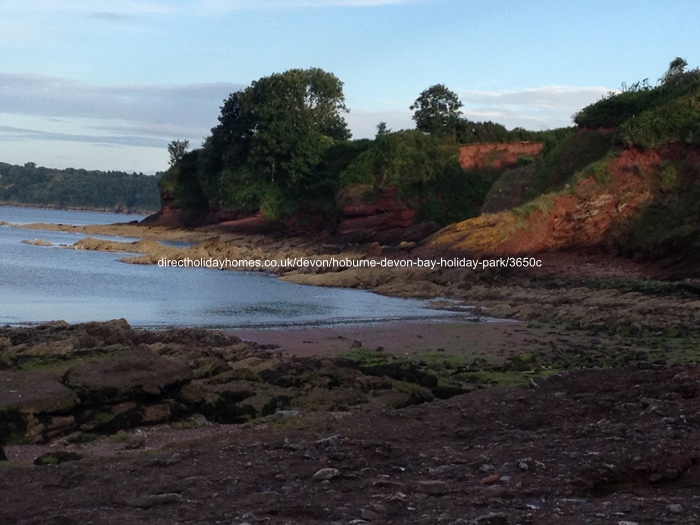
<point x="78" y="168"/>
<point x="104" y="86"/>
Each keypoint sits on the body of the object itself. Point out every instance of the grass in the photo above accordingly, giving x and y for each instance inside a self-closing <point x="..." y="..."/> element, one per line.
<point x="600" y="171"/>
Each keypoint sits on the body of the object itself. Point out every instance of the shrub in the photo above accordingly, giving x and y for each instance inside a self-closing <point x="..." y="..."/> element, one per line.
<point x="565" y="159"/>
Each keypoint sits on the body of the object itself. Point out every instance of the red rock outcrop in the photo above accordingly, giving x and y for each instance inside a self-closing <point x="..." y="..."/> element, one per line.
<point x="387" y="213"/>
<point x="583" y="218"/>
<point x="496" y="154"/>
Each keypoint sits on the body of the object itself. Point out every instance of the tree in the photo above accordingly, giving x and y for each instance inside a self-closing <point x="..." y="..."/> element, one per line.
<point x="436" y="110"/>
<point x="280" y="125"/>
<point x="675" y="71"/>
<point x="177" y="149"/>
<point x="382" y="129"/>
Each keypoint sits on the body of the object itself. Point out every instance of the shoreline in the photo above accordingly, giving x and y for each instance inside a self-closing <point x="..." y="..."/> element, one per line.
<point x="281" y="327"/>
<point x="9" y="204"/>
<point x="402" y="339"/>
<point x="586" y="290"/>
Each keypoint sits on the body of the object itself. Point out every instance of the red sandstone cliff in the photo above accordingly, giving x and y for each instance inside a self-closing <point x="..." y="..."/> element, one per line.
<point x="496" y="154"/>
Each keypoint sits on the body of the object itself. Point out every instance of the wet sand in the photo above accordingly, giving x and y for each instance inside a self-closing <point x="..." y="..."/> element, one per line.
<point x="493" y="340"/>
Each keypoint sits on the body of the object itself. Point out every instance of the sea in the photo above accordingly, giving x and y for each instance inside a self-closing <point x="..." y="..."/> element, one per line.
<point x="48" y="283"/>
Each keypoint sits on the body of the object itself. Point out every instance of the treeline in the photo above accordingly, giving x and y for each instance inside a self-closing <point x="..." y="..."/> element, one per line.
<point x="78" y="188"/>
<point x="282" y="147"/>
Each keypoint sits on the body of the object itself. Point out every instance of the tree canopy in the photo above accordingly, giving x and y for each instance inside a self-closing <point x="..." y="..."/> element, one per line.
<point x="177" y="149"/>
<point x="282" y="123"/>
<point x="281" y="146"/>
<point x="436" y="110"/>
<point x="270" y="138"/>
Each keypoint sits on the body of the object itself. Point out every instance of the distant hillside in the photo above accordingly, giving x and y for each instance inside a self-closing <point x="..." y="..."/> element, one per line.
<point x="77" y="188"/>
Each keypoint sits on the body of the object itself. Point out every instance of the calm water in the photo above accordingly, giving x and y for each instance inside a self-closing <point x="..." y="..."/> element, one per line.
<point x="39" y="284"/>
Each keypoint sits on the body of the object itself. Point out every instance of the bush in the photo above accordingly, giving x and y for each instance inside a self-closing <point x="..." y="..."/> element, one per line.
<point x="427" y="173"/>
<point x="569" y="156"/>
<point x="676" y="215"/>
<point x="676" y="122"/>
<point x="649" y="116"/>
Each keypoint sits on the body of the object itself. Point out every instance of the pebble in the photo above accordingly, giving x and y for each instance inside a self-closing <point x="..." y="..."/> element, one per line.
<point x="326" y="474"/>
<point x="493" y="478"/>
<point x="493" y="518"/>
<point x="675" y="508"/>
<point x="369" y="515"/>
<point x="431" y="487"/>
<point x="281" y="415"/>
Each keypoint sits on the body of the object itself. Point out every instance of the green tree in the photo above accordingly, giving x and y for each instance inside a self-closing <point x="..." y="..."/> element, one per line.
<point x="297" y="115"/>
<point x="382" y="129"/>
<point x="675" y="71"/>
<point x="177" y="149"/>
<point x="272" y="135"/>
<point x="436" y="110"/>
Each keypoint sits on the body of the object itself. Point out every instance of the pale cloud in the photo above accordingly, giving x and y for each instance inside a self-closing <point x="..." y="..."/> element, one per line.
<point x="38" y="24"/>
<point x="126" y="7"/>
<point x="10" y="133"/>
<point x="153" y="111"/>
<point x="537" y="108"/>
<point x="53" y="120"/>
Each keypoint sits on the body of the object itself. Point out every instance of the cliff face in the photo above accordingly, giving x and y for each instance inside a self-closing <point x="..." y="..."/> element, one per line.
<point x="364" y="217"/>
<point x="496" y="155"/>
<point x="632" y="202"/>
<point x="384" y="214"/>
<point x="387" y="220"/>
<point x="390" y="220"/>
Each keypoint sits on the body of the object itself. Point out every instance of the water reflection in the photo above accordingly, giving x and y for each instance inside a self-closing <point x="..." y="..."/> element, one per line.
<point x="39" y="284"/>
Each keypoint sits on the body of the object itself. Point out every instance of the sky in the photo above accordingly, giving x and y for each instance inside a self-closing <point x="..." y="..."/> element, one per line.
<point x="106" y="85"/>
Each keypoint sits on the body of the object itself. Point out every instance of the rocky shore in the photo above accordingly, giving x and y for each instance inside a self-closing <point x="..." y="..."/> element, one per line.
<point x="583" y="409"/>
<point x="111" y="424"/>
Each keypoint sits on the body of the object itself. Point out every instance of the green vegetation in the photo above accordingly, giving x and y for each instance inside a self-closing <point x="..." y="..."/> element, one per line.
<point x="177" y="149"/>
<point x="77" y="188"/>
<point x="665" y="117"/>
<point x="543" y="204"/>
<point x="437" y="110"/>
<point x="436" y="113"/>
<point x="450" y="372"/>
<point x="282" y="147"/>
<point x="651" y="116"/>
<point x="670" y="216"/>
<point x="567" y="154"/>
<point x="265" y="151"/>
<point x="426" y="171"/>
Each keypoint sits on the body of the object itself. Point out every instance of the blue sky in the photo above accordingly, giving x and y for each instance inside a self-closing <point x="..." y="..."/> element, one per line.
<point x="106" y="85"/>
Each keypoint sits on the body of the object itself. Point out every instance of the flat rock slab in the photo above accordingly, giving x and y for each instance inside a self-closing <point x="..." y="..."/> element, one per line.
<point x="34" y="393"/>
<point x="132" y="376"/>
